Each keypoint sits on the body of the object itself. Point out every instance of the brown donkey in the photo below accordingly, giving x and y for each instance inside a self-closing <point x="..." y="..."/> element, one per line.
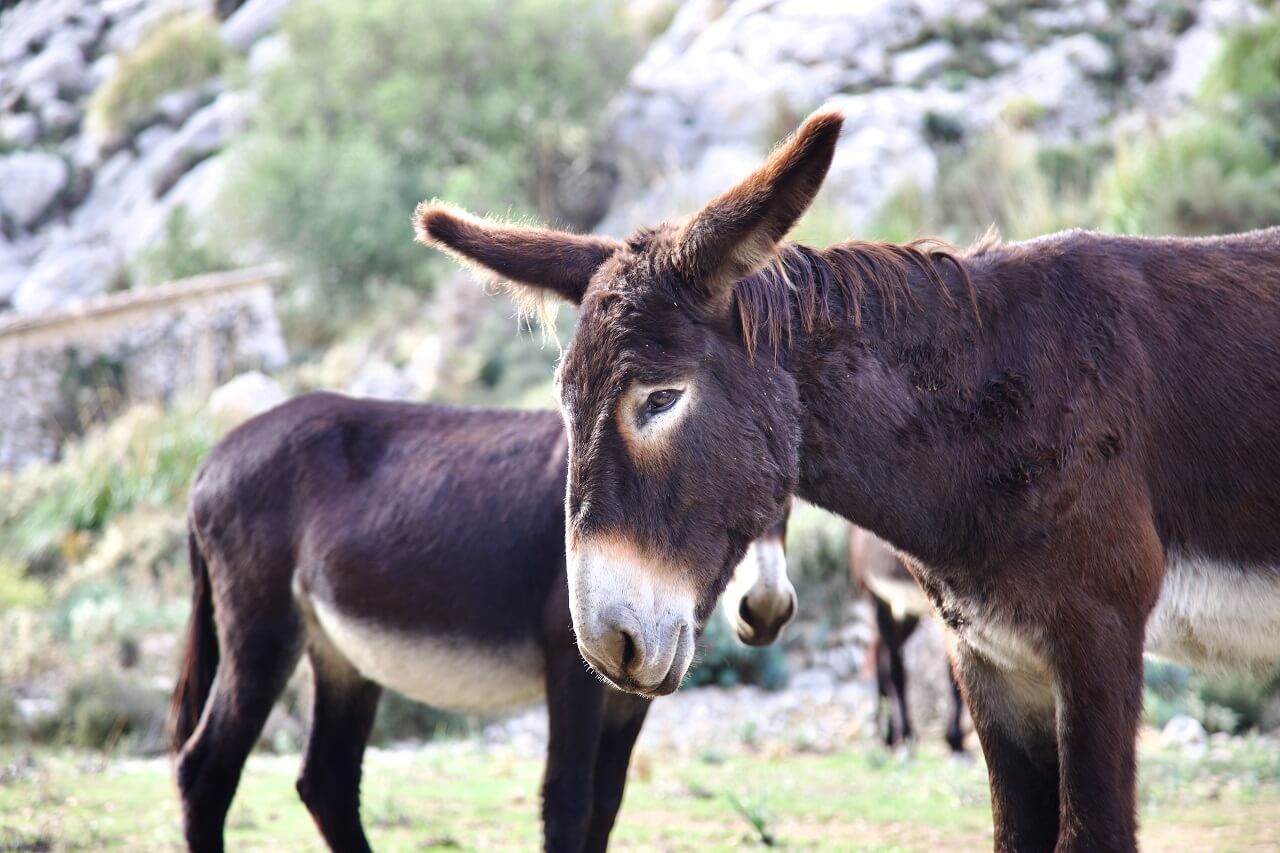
<point x="1076" y="440"/>
<point x="419" y="548"/>
<point x="899" y="604"/>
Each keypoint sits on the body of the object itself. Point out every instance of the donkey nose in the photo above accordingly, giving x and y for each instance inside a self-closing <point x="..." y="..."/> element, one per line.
<point x="635" y="656"/>
<point x="764" y="624"/>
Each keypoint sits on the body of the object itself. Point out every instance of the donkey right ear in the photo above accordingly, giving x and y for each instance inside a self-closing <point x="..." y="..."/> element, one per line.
<point x="537" y="258"/>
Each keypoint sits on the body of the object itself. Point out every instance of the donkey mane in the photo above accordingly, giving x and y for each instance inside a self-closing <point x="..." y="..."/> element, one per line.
<point x="831" y="285"/>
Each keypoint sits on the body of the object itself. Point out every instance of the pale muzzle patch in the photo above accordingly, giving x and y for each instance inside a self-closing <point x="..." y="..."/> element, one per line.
<point x="633" y="614"/>
<point x="760" y="600"/>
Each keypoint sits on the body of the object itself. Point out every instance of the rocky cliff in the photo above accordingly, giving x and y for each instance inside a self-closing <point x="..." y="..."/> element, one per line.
<point x="88" y="181"/>
<point x="727" y="79"/>
<point x="84" y="191"/>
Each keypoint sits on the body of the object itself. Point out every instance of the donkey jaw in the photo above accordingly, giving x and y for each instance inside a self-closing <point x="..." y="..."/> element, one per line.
<point x="633" y="617"/>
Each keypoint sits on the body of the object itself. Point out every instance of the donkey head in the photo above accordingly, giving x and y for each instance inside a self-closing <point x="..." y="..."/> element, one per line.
<point x="683" y="447"/>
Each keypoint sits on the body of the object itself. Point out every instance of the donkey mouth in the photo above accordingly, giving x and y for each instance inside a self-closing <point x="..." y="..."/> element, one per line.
<point x="623" y="677"/>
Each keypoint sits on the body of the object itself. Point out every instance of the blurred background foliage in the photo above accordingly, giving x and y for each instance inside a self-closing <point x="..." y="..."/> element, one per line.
<point x="499" y="105"/>
<point x="492" y="101"/>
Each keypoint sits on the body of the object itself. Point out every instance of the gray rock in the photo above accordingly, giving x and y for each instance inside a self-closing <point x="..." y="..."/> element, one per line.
<point x="1184" y="731"/>
<point x="65" y="273"/>
<point x="251" y="22"/>
<point x="204" y="134"/>
<point x="59" y="67"/>
<point x="29" y="183"/>
<point x="246" y="396"/>
<point x="909" y="66"/>
<point x="176" y="107"/>
<point x="31" y="22"/>
<point x="57" y="117"/>
<point x="266" y="53"/>
<point x="19" y="130"/>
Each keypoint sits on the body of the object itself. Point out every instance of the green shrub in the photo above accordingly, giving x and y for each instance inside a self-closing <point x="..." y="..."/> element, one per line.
<point x="102" y="710"/>
<point x="145" y="457"/>
<point x="1215" y="174"/>
<point x="178" y="53"/>
<point x="1218" y="170"/>
<point x="379" y="105"/>
<point x="1005" y="179"/>
<point x="400" y="719"/>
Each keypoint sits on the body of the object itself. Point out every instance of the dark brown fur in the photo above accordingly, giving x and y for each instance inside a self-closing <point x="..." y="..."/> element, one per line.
<point x="428" y="520"/>
<point x="1112" y="402"/>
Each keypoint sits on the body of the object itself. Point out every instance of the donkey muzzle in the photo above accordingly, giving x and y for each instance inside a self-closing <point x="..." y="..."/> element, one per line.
<point x="633" y="620"/>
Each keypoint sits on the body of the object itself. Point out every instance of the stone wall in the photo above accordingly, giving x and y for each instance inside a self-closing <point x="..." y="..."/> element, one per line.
<point x="183" y="337"/>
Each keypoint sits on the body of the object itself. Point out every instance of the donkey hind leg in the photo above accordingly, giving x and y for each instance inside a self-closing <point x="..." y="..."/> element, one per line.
<point x="1013" y="716"/>
<point x="624" y="715"/>
<point x="255" y="666"/>
<point x="342" y="718"/>
<point x="955" y="720"/>
<point x="891" y="673"/>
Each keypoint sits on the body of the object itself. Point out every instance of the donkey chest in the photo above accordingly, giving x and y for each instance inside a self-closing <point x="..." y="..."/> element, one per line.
<point x="451" y="673"/>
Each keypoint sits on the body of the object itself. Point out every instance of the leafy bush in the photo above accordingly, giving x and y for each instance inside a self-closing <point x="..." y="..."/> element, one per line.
<point x="1218" y="170"/>
<point x="101" y="710"/>
<point x="723" y="661"/>
<point x="1222" y="702"/>
<point x="178" y="53"/>
<point x="146" y="457"/>
<point x="400" y="719"/>
<point x="1004" y="179"/>
<point x="379" y="105"/>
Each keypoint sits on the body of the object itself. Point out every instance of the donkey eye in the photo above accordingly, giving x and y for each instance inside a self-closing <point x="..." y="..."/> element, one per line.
<point x="660" y="401"/>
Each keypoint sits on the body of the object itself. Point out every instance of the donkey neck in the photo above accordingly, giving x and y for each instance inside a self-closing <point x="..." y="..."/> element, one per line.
<point x="871" y="365"/>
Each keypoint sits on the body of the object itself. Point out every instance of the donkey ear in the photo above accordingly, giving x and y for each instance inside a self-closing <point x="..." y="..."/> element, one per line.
<point x="537" y="258"/>
<point x="737" y="233"/>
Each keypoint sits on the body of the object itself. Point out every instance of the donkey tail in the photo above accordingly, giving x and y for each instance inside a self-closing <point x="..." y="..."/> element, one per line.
<point x="200" y="653"/>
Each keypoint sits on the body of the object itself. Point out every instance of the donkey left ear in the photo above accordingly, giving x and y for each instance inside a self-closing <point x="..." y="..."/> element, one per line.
<point x="536" y="258"/>
<point x="737" y="233"/>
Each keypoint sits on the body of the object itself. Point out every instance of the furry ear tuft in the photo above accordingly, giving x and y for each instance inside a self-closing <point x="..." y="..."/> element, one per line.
<point x="534" y="258"/>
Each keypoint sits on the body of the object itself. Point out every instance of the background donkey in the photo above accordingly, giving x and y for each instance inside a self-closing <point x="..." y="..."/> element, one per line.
<point x="414" y="547"/>
<point x="899" y="605"/>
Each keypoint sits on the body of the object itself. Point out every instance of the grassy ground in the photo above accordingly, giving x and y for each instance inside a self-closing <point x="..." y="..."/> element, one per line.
<point x="462" y="795"/>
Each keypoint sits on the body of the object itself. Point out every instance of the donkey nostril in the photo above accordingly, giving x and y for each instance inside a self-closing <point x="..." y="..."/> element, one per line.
<point x="628" y="651"/>
<point x="744" y="612"/>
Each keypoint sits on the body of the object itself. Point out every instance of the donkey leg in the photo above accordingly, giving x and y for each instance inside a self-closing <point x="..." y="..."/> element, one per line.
<point x="256" y="664"/>
<point x="898" y="672"/>
<point x="955" y="720"/>
<point x="342" y="718"/>
<point x="1099" y="708"/>
<point x="1013" y="716"/>
<point x="623" y="717"/>
<point x="575" y="715"/>
<point x="886" y="715"/>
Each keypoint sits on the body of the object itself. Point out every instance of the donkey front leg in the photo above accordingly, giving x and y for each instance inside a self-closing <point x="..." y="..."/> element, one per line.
<point x="624" y="715"/>
<point x="1099" y="682"/>
<point x="1013" y="715"/>
<point x="575" y="716"/>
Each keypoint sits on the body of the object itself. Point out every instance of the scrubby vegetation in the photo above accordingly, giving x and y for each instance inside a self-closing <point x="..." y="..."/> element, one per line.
<point x="382" y="104"/>
<point x="179" y="52"/>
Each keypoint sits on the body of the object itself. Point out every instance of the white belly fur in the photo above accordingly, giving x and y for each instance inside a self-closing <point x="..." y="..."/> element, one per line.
<point x="447" y="673"/>
<point x="1217" y="616"/>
